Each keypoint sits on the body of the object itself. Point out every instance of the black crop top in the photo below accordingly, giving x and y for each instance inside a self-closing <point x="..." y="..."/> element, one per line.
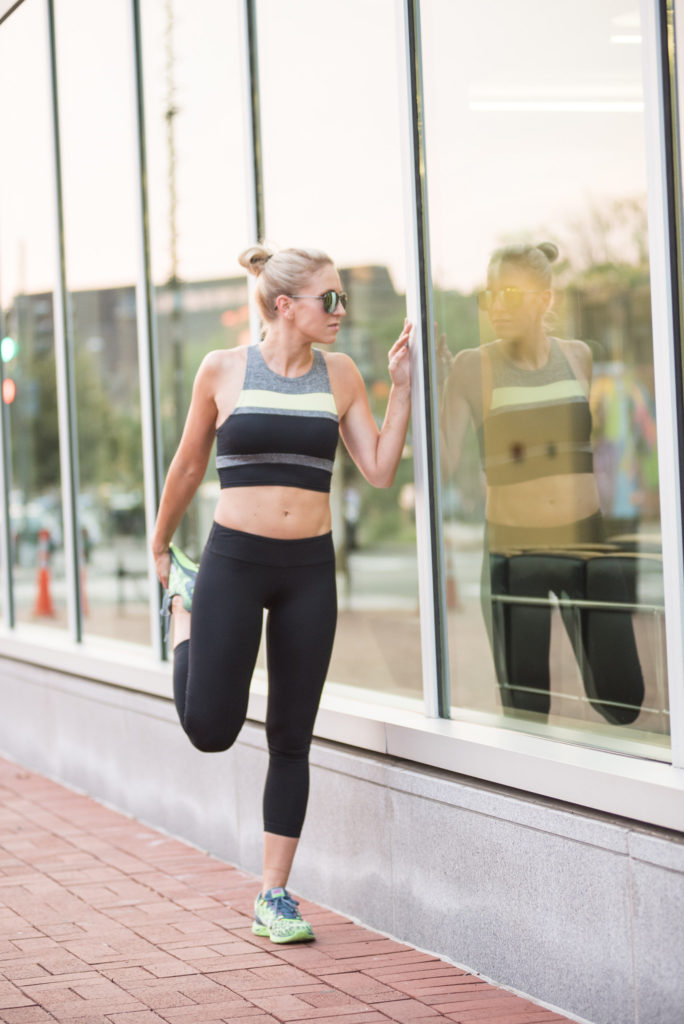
<point x="283" y="430"/>
<point x="538" y="422"/>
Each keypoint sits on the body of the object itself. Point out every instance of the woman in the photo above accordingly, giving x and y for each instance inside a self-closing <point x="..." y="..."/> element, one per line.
<point x="276" y="410"/>
<point x="527" y="394"/>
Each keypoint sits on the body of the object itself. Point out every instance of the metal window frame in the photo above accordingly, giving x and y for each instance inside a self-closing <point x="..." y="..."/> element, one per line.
<point x="665" y="313"/>
<point x="671" y="16"/>
<point x="64" y="360"/>
<point x="250" y="71"/>
<point x="424" y="391"/>
<point x="252" y="142"/>
<point x="148" y="351"/>
<point x="8" y="609"/>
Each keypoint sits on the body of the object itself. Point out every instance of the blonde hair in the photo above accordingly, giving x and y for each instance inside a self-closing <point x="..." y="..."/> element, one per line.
<point x="535" y="259"/>
<point x="283" y="272"/>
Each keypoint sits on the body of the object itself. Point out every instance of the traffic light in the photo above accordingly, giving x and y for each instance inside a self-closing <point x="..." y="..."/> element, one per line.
<point x="8" y="350"/>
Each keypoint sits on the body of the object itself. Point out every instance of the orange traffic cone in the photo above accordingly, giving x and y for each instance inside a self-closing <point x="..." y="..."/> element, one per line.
<point x="453" y="601"/>
<point x="82" y="559"/>
<point x="84" y="597"/>
<point x="43" y="605"/>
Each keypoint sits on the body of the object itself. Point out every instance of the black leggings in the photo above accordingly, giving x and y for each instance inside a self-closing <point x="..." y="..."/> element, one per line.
<point x="240" y="575"/>
<point x="602" y="637"/>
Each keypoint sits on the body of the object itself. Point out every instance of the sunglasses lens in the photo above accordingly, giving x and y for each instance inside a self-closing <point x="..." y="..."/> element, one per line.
<point x="512" y="298"/>
<point x="331" y="299"/>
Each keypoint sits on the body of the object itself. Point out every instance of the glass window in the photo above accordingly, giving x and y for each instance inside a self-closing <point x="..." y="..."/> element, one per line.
<point x="95" y="78"/>
<point x="27" y="279"/>
<point x="534" y="128"/>
<point x="332" y="180"/>
<point x="195" y="131"/>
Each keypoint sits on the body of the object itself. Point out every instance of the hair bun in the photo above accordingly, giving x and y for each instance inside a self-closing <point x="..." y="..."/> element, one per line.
<point x="255" y="259"/>
<point x="550" y="250"/>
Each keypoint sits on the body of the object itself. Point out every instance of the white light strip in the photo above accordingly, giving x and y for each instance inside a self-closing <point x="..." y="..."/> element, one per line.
<point x="561" y="106"/>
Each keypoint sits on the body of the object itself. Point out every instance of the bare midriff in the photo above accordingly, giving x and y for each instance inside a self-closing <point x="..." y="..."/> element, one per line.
<point x="286" y="513"/>
<point x="548" y="501"/>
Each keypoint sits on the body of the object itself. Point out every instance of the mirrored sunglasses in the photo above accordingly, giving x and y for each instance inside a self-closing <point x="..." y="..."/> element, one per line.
<point x="331" y="298"/>
<point x="509" y="298"/>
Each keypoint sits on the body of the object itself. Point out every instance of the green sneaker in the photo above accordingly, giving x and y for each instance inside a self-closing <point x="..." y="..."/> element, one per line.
<point x="182" y="576"/>
<point x="276" y="916"/>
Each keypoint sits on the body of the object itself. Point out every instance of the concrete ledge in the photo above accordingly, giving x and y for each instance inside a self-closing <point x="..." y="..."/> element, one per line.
<point x="627" y="784"/>
<point x="578" y="909"/>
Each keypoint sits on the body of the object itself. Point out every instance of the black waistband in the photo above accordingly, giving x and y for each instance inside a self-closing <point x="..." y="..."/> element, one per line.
<point x="252" y="547"/>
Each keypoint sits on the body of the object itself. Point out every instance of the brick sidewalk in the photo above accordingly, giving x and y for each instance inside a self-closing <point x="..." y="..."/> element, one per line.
<point x="105" y="921"/>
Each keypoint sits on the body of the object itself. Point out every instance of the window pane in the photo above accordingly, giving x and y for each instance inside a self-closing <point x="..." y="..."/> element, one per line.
<point x="551" y="515"/>
<point x="27" y="260"/>
<point x="198" y="215"/>
<point x="95" y="75"/>
<point x="332" y="180"/>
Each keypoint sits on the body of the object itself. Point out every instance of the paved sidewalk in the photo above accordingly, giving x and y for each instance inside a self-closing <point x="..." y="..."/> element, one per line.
<point x="103" y="919"/>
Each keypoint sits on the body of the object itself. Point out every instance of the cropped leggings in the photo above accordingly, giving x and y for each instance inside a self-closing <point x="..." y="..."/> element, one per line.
<point x="600" y="631"/>
<point x="240" y="575"/>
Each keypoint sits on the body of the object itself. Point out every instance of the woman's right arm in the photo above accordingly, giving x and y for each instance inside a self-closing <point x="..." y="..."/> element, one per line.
<point x="189" y="464"/>
<point x="456" y="407"/>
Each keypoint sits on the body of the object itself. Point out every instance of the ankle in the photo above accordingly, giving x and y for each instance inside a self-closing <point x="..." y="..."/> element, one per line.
<point x="272" y="882"/>
<point x="181" y="621"/>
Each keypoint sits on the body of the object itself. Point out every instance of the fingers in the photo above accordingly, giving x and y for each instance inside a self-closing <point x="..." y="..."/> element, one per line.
<point x="163" y="565"/>
<point x="397" y="353"/>
<point x="403" y="339"/>
<point x="396" y="360"/>
<point x="399" y="358"/>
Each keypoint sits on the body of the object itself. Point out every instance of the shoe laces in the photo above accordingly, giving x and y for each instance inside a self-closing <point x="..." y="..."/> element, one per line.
<point x="284" y="905"/>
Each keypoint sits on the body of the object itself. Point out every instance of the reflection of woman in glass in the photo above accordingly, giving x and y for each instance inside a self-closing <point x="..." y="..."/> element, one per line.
<point x="276" y="410"/>
<point x="527" y="394"/>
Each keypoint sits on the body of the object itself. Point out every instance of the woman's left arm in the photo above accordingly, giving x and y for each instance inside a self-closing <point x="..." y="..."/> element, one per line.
<point x="377" y="452"/>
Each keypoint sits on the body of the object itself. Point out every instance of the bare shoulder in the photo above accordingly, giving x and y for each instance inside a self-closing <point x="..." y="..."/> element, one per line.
<point x="340" y="366"/>
<point x="345" y="376"/>
<point x="469" y="360"/>
<point x="578" y="353"/>
<point x="575" y="346"/>
<point x="346" y="381"/>
<point x="220" y="367"/>
<point x="219" y="379"/>
<point x="465" y="375"/>
<point x="224" y="360"/>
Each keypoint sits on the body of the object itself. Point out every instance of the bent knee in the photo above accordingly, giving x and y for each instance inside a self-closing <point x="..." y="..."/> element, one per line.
<point x="209" y="737"/>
